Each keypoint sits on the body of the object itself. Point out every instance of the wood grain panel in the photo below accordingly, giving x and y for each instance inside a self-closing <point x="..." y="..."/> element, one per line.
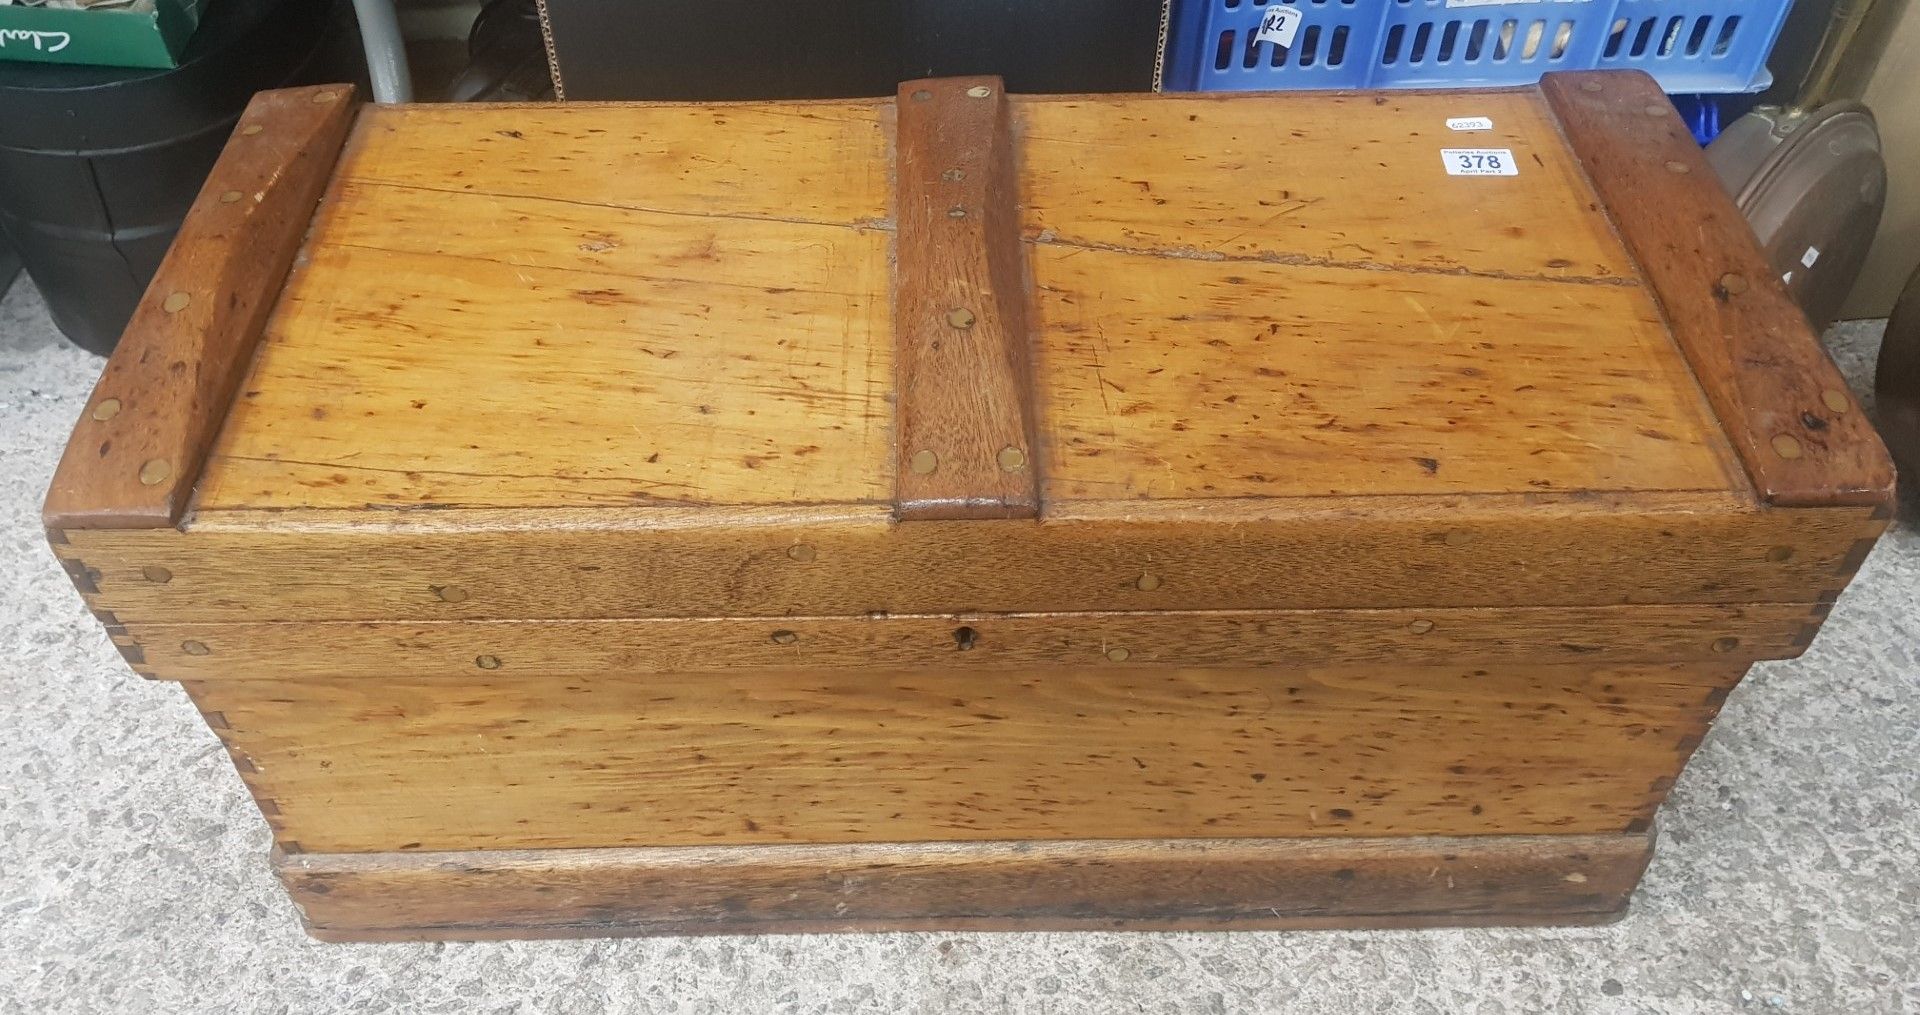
<point x="815" y="162"/>
<point x="1317" y="179"/>
<point x="1315" y="553"/>
<point x="1166" y="377"/>
<point x="499" y="762"/>
<point x="964" y="372"/>
<point x="460" y="349"/>
<point x="975" y="643"/>
<point x="1190" y="884"/>
<point x="1784" y="404"/>
<point x="136" y="452"/>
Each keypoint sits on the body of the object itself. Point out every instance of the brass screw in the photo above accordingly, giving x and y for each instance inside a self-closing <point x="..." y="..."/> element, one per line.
<point x="1589" y="86"/>
<point x="1780" y="554"/>
<point x="960" y="317"/>
<point x="487" y="662"/>
<point x="785" y="637"/>
<point x="979" y="91"/>
<point x="449" y="593"/>
<point x="155" y="472"/>
<point x="1011" y="459"/>
<point x="956" y="212"/>
<point x="922" y="95"/>
<point x="1725" y="644"/>
<point x="954" y="175"/>
<point x="195" y="648"/>
<point x="156" y="574"/>
<point x="107" y="409"/>
<point x="176" y="302"/>
<point x="1118" y="654"/>
<point x="800" y="551"/>
<point x="1835" y="400"/>
<point x="1678" y="167"/>
<point x="251" y="129"/>
<point x="322" y="98"/>
<point x="1733" y="284"/>
<point x="1786" y="445"/>
<point x="230" y="196"/>
<point x="1420" y="626"/>
<point x="1147" y="582"/>
<point x="923" y="462"/>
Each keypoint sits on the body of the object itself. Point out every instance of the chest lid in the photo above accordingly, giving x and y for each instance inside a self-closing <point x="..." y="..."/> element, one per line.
<point x="960" y="351"/>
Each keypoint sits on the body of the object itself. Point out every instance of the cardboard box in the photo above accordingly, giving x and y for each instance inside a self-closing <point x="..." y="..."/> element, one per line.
<point x="147" y="33"/>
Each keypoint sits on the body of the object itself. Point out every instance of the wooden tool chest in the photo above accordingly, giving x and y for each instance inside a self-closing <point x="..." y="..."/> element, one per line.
<point x="964" y="510"/>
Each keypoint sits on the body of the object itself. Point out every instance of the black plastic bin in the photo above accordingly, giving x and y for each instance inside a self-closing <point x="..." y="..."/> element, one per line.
<point x="98" y="165"/>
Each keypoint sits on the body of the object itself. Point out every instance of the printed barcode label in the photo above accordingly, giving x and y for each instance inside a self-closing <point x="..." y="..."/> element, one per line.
<point x="1479" y="162"/>
<point x="1278" y="26"/>
<point x="1470" y="123"/>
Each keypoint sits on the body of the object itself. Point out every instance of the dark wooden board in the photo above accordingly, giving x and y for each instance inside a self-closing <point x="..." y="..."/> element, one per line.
<point x="964" y="420"/>
<point x="1074" y="885"/>
<point x="1783" y="404"/>
<point x="136" y="453"/>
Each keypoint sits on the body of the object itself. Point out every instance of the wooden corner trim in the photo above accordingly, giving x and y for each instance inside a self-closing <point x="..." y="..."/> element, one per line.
<point x="1801" y="436"/>
<point x="964" y="418"/>
<point x="136" y="452"/>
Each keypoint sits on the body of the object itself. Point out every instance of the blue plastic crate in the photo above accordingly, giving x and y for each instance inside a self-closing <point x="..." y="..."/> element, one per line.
<point x="1711" y="46"/>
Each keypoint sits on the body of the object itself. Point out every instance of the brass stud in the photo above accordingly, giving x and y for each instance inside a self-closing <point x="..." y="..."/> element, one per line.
<point x="1147" y="582"/>
<point x="979" y="91"/>
<point x="1835" y="400"/>
<point x="785" y="637"/>
<point x="155" y="472"/>
<point x="956" y="212"/>
<point x="1678" y="167"/>
<point x="1589" y="86"/>
<point x="1724" y="645"/>
<point x="487" y="662"/>
<point x="251" y="129"/>
<point x="322" y="98"/>
<point x="107" y="409"/>
<point x="1659" y="109"/>
<point x="1011" y="459"/>
<point x="1786" y="445"/>
<point x="800" y="551"/>
<point x="954" y="175"/>
<point x="1733" y="284"/>
<point x="960" y="317"/>
<point x="1118" y="654"/>
<point x="1780" y="554"/>
<point x="176" y="302"/>
<point x="923" y="462"/>
<point x="230" y="196"/>
<point x="156" y="574"/>
<point x="1420" y="626"/>
<point x="195" y="648"/>
<point x="449" y="593"/>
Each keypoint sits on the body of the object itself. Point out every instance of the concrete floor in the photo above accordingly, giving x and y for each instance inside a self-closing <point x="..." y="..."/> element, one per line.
<point x="133" y="871"/>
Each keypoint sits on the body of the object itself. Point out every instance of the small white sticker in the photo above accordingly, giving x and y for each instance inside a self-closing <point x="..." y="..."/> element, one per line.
<point x="1787" y="278"/>
<point x="1279" y="25"/>
<point x="1479" y="162"/>
<point x="1470" y="123"/>
<point x="1812" y="255"/>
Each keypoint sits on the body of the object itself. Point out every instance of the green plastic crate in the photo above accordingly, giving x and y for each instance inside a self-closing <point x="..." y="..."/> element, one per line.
<point x="150" y="34"/>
